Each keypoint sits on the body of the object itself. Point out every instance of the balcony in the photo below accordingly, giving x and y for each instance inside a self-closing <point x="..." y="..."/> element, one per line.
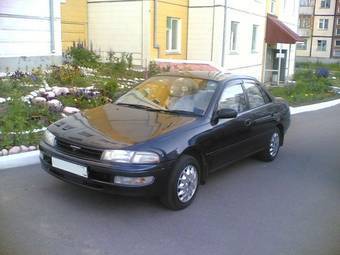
<point x="306" y="10"/>
<point x="305" y="32"/>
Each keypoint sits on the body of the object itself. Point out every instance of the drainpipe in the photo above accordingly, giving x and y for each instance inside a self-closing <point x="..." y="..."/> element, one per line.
<point x="155" y="27"/>
<point x="224" y="31"/>
<point x="52" y="26"/>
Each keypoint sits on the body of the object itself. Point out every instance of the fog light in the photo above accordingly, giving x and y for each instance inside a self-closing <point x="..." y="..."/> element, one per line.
<point x="134" y="181"/>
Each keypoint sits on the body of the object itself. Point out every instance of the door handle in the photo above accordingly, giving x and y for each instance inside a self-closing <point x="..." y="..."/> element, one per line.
<point x="248" y="122"/>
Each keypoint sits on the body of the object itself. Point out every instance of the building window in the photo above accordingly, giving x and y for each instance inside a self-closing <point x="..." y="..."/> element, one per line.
<point x="173" y="35"/>
<point x="305" y="3"/>
<point x="337" y="43"/>
<point x="323" y="24"/>
<point x="254" y="38"/>
<point x="233" y="36"/>
<point x="322" y="45"/>
<point x="272" y="6"/>
<point x="338" y="31"/>
<point x="338" y="21"/>
<point x="325" y="4"/>
<point x="336" y="53"/>
<point x="302" y="46"/>
<point x="304" y="21"/>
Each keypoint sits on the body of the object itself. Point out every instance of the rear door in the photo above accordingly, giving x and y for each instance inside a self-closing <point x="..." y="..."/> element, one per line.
<point x="262" y="115"/>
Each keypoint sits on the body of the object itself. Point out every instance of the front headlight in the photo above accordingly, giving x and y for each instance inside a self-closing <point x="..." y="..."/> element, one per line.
<point x="135" y="157"/>
<point x="49" y="138"/>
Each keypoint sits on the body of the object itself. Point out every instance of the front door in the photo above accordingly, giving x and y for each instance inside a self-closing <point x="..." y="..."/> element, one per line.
<point x="226" y="141"/>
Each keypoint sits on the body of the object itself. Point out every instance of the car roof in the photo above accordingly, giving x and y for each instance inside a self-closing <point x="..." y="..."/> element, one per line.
<point x="207" y="75"/>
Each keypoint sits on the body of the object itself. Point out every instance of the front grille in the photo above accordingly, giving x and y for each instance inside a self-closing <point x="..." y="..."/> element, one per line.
<point x="83" y="152"/>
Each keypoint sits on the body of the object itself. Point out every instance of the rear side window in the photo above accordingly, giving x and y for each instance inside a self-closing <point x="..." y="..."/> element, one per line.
<point x="233" y="98"/>
<point x="255" y="96"/>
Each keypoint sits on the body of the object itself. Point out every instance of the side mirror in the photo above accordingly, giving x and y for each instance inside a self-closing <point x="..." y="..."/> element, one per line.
<point x="226" y="114"/>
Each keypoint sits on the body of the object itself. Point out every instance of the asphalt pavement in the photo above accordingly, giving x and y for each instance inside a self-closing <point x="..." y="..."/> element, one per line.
<point x="288" y="207"/>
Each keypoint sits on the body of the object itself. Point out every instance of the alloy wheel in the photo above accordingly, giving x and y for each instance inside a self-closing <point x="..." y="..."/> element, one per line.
<point x="187" y="183"/>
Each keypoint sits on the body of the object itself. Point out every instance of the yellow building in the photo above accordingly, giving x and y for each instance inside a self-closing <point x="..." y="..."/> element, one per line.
<point x="73" y="22"/>
<point x="170" y="39"/>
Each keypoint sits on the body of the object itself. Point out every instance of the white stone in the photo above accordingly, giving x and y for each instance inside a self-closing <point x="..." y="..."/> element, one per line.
<point x="55" y="105"/>
<point x="61" y="91"/>
<point x="33" y="93"/>
<point x="70" y="110"/>
<point x="4" y="152"/>
<point x="39" y="100"/>
<point x="50" y="95"/>
<point x="14" y="150"/>
<point x="32" y="148"/>
<point x="2" y="100"/>
<point x="24" y="148"/>
<point x="42" y="90"/>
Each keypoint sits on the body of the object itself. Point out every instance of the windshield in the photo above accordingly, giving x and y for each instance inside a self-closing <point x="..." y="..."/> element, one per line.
<point x="171" y="94"/>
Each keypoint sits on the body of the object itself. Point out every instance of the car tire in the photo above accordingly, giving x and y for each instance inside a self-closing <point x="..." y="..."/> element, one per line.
<point x="272" y="147"/>
<point x="183" y="184"/>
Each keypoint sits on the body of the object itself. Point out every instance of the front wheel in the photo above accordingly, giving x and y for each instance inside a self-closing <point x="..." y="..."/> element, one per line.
<point x="272" y="147"/>
<point x="183" y="184"/>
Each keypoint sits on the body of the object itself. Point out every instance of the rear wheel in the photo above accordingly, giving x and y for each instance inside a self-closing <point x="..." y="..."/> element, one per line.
<point x="272" y="147"/>
<point x="183" y="184"/>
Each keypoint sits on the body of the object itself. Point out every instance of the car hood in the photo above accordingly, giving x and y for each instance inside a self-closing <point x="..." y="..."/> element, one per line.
<point x="113" y="126"/>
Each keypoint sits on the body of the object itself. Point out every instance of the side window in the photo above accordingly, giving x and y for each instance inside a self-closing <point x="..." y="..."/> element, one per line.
<point x="233" y="98"/>
<point x="254" y="94"/>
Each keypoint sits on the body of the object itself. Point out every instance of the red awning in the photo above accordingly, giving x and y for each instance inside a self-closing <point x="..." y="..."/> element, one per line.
<point x="278" y="32"/>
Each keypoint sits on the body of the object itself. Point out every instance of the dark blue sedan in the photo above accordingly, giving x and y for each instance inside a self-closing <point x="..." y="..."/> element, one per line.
<point x="167" y="135"/>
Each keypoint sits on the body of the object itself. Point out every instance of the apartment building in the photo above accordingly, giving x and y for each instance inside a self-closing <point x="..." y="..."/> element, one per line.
<point x="319" y="25"/>
<point x="229" y="33"/>
<point x="30" y="34"/>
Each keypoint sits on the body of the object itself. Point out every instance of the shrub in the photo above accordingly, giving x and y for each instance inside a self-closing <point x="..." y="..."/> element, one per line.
<point x="322" y="72"/>
<point x="20" y="117"/>
<point x="67" y="75"/>
<point x="109" y="88"/>
<point x="83" y="102"/>
<point x="81" y="56"/>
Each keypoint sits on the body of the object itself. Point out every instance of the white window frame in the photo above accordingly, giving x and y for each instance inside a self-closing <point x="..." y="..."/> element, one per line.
<point x="254" y="38"/>
<point x="325" y="4"/>
<point x="322" y="24"/>
<point x="323" y="46"/>
<point x="234" y="37"/>
<point x="169" y="34"/>
<point x="272" y="6"/>
<point x="302" y="46"/>
<point x="305" y="3"/>
<point x="337" y="31"/>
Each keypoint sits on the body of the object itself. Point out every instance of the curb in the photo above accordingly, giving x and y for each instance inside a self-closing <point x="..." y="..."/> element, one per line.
<point x="314" y="107"/>
<point x="32" y="157"/>
<point x="20" y="159"/>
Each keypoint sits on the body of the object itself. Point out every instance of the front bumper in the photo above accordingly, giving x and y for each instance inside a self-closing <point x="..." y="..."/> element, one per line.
<point x="101" y="174"/>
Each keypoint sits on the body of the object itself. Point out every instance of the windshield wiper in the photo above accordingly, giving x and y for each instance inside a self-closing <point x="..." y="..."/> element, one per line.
<point x="139" y="106"/>
<point x="148" y="108"/>
<point x="182" y="112"/>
